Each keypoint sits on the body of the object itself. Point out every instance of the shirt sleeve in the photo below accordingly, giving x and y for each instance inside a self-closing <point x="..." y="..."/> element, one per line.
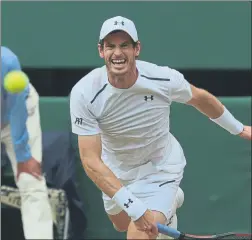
<point x="18" y="118"/>
<point x="82" y="120"/>
<point x="180" y="89"/>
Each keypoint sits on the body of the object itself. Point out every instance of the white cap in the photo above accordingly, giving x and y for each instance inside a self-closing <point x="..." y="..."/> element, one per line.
<point x="118" y="23"/>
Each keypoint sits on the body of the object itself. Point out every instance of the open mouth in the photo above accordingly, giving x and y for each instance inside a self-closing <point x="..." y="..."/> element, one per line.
<point x="118" y="61"/>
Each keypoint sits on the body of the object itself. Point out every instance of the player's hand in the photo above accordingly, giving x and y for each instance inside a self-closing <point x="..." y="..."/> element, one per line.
<point x="147" y="224"/>
<point x="246" y="133"/>
<point x="32" y="167"/>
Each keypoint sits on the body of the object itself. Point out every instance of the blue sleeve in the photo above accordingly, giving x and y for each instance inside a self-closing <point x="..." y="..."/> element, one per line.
<point x="18" y="119"/>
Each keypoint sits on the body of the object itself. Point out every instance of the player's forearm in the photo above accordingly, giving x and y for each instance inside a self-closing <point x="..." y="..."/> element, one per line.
<point x="215" y="110"/>
<point x="102" y="176"/>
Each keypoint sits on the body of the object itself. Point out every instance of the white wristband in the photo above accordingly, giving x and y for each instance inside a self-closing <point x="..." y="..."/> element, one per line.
<point x="129" y="203"/>
<point x="228" y="122"/>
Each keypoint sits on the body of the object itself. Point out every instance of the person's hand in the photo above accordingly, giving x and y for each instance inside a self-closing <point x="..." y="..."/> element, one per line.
<point x="32" y="167"/>
<point x="246" y="133"/>
<point x="147" y="224"/>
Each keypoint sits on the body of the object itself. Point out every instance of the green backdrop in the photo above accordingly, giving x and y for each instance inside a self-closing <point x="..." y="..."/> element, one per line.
<point x="217" y="180"/>
<point x="178" y="34"/>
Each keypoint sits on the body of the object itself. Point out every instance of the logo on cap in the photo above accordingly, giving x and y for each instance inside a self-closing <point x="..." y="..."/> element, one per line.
<point x="117" y="23"/>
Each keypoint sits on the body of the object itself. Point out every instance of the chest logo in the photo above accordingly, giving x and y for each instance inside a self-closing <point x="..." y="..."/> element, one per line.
<point x="149" y="98"/>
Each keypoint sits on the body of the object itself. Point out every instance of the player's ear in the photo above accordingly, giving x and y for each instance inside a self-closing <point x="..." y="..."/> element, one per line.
<point x="137" y="48"/>
<point x="100" y="50"/>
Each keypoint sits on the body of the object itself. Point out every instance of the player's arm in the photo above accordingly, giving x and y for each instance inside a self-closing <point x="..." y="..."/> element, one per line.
<point x="183" y="92"/>
<point x="210" y="106"/>
<point x="97" y="171"/>
<point x="206" y="103"/>
<point x="18" y="117"/>
<point x="86" y="127"/>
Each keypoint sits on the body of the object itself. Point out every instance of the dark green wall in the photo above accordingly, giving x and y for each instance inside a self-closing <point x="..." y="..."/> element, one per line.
<point x="179" y="34"/>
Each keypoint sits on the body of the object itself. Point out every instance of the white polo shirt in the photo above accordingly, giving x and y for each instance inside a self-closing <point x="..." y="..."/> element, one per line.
<point x="133" y="122"/>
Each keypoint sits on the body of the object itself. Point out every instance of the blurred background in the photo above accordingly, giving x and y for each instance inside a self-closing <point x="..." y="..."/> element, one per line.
<point x="209" y="42"/>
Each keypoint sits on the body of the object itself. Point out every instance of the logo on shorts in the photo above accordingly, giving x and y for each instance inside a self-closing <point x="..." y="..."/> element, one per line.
<point x="147" y="98"/>
<point x="78" y="121"/>
<point x="128" y="203"/>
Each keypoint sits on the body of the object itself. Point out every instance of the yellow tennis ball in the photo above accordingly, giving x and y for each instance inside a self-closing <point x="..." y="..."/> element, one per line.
<point x="15" y="81"/>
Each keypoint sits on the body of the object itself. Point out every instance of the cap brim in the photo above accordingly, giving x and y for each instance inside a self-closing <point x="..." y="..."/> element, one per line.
<point x="114" y="30"/>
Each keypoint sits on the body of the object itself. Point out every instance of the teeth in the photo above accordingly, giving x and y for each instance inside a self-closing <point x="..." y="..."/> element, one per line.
<point x="118" y="61"/>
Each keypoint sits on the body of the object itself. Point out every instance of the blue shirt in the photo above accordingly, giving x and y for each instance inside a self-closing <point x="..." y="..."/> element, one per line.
<point x="14" y="109"/>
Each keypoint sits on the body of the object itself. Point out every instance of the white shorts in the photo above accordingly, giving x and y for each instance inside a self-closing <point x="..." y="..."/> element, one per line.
<point x="157" y="190"/>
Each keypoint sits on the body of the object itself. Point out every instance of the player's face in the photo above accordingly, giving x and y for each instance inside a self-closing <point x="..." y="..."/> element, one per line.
<point x="119" y="53"/>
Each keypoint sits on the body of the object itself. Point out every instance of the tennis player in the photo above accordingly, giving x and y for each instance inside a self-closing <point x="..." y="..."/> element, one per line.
<point x="120" y="113"/>
<point x="21" y="135"/>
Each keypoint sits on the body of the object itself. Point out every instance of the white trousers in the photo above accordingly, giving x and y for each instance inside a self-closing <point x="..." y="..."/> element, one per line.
<point x="35" y="207"/>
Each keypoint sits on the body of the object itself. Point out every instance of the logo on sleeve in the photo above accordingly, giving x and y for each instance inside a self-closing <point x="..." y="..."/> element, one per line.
<point x="78" y="121"/>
